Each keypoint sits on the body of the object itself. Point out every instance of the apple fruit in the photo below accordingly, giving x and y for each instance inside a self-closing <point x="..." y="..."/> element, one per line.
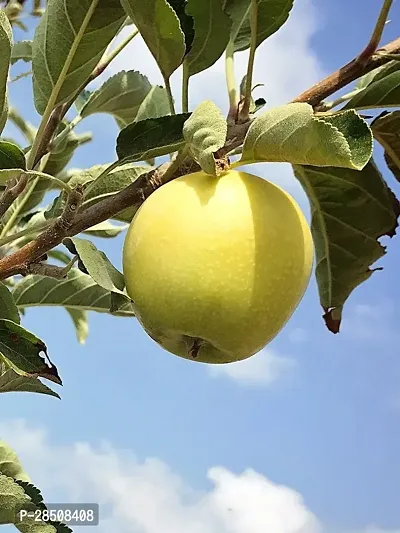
<point x="216" y="266"/>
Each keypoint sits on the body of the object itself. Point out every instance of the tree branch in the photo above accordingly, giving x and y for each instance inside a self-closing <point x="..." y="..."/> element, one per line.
<point x="70" y="223"/>
<point x="376" y="36"/>
<point x="34" y="251"/>
<point x="54" y="121"/>
<point x="11" y="192"/>
<point x="347" y="74"/>
<point x="43" y="269"/>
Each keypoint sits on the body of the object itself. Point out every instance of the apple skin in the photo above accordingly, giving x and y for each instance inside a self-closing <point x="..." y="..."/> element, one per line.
<point x="216" y="266"/>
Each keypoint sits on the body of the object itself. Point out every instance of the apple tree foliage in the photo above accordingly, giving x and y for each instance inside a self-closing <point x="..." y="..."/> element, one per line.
<point x="49" y="212"/>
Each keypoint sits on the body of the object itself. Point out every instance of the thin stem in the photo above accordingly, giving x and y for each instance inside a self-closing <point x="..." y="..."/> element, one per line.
<point x="62" y="184"/>
<point x="20" y="76"/>
<point x="104" y="63"/>
<point x="66" y="131"/>
<point x="24" y="233"/>
<point x="185" y="87"/>
<point x="396" y="57"/>
<point x="340" y="100"/>
<point x="56" y="90"/>
<point x="13" y="189"/>
<point x="69" y="265"/>
<point x="105" y="172"/>
<point x="170" y="96"/>
<point x="231" y="81"/>
<point x="376" y="37"/>
<point x="244" y="113"/>
<point x="18" y="208"/>
<point x="54" y="121"/>
<point x="175" y="164"/>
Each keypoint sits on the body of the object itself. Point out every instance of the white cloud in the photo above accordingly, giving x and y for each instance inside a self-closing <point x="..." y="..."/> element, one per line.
<point x="142" y="497"/>
<point x="148" y="497"/>
<point x="263" y="368"/>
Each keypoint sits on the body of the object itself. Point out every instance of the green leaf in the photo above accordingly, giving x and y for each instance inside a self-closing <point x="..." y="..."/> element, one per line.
<point x="12" y="173"/>
<point x="159" y="26"/>
<point x="10" y="465"/>
<point x="106" y="230"/>
<point x="5" y="57"/>
<point x="105" y="185"/>
<point x="59" y="255"/>
<point x="86" y="176"/>
<point x="271" y="15"/>
<point x="80" y="320"/>
<point x="121" y="96"/>
<point x="12" y="498"/>
<point x="21" y="50"/>
<point x="95" y="263"/>
<point x="37" y="195"/>
<point x="386" y="129"/>
<point x="33" y="492"/>
<point x="21" y="350"/>
<point x="8" y="308"/>
<point x="212" y="33"/>
<point x="11" y="156"/>
<point x="205" y="132"/>
<point x="367" y="78"/>
<point x="380" y="89"/>
<point x="16" y="495"/>
<point x="152" y="137"/>
<point x="77" y="291"/>
<point x="10" y="381"/>
<point x="293" y="134"/>
<point x="351" y="210"/>
<point x="69" y="43"/>
<point x="154" y="105"/>
<point x="186" y="22"/>
<point x="83" y="97"/>
<point x="30" y="524"/>
<point x="34" y="223"/>
<point x="9" y="174"/>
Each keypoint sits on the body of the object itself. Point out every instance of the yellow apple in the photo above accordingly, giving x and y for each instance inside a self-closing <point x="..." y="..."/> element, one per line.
<point x="216" y="266"/>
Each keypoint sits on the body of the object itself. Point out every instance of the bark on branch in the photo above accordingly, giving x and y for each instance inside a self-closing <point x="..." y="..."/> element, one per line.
<point x="33" y="252"/>
<point x="347" y="74"/>
<point x="11" y="192"/>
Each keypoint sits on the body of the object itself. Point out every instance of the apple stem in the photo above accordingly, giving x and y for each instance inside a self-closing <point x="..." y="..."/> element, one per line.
<point x="195" y="348"/>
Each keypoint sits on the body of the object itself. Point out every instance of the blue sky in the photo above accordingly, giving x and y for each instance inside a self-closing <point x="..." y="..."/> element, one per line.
<point x="316" y="416"/>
